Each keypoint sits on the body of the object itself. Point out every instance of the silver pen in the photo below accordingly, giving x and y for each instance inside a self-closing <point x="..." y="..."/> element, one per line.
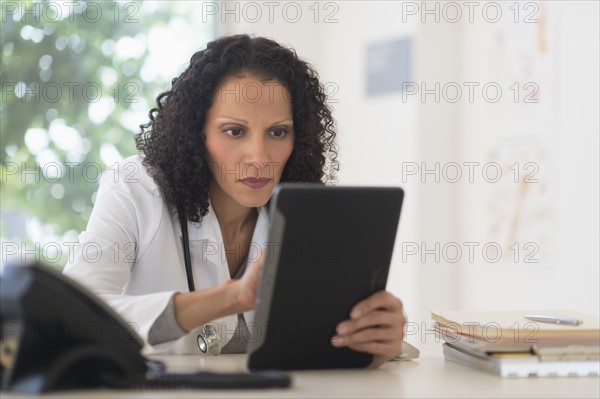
<point x="554" y="319"/>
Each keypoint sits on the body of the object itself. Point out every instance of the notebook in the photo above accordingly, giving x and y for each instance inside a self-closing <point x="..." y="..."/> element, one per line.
<point x="522" y="364"/>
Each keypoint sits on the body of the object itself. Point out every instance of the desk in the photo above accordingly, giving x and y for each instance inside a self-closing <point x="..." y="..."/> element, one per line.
<point x="429" y="376"/>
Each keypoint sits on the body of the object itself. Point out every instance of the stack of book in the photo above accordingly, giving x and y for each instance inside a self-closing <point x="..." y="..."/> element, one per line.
<point x="547" y="343"/>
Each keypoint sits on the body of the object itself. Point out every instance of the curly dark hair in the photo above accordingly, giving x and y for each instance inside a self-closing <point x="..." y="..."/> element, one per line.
<point x="173" y="140"/>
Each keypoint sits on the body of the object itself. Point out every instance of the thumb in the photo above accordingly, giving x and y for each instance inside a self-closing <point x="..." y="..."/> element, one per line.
<point x="254" y="267"/>
<point x="258" y="261"/>
<point x="248" y="284"/>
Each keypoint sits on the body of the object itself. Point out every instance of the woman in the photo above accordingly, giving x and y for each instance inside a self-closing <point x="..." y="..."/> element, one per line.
<point x="245" y="115"/>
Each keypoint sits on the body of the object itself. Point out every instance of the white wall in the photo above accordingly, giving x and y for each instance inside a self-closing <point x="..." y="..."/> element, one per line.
<point x="560" y="134"/>
<point x="578" y="160"/>
<point x="374" y="135"/>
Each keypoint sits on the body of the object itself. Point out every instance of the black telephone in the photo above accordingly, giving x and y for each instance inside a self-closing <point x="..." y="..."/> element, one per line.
<point x="56" y="335"/>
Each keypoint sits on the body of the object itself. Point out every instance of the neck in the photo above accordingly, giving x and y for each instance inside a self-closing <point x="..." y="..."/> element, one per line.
<point x="232" y="217"/>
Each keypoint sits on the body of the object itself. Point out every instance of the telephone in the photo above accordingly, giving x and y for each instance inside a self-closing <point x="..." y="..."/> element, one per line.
<point x="56" y="335"/>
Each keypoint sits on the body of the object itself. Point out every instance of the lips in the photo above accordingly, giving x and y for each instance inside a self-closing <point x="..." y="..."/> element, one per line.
<point x="254" y="182"/>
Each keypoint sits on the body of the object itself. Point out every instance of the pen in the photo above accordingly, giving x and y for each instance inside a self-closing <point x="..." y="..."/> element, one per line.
<point x="555" y="319"/>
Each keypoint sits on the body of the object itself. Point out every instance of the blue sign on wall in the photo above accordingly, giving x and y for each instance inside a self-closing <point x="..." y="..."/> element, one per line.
<point x="388" y="66"/>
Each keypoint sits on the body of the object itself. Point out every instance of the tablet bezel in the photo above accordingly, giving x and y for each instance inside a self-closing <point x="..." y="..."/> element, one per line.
<point x="371" y="211"/>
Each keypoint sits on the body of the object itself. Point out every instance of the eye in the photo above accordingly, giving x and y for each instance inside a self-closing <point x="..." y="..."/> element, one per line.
<point x="279" y="133"/>
<point x="233" y="132"/>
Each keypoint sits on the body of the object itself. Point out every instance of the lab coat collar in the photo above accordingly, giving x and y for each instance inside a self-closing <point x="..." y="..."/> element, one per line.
<point x="259" y="236"/>
<point x="210" y="230"/>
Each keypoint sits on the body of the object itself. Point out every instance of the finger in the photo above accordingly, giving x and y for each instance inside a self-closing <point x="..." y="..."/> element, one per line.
<point x="377" y="348"/>
<point x="380" y="299"/>
<point x="383" y="347"/>
<point x="259" y="259"/>
<point x="368" y="335"/>
<point x="255" y="264"/>
<point x="377" y="318"/>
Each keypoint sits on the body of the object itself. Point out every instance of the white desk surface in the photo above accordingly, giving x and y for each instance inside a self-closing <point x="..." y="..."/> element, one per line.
<point x="430" y="376"/>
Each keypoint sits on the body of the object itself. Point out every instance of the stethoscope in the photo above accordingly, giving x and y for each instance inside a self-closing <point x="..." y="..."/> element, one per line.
<point x="208" y="340"/>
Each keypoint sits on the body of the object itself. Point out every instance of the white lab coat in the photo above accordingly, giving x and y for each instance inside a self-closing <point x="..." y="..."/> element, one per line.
<point x="131" y="254"/>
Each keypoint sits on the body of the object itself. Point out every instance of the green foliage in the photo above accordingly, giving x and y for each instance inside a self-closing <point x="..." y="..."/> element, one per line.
<point x="84" y="71"/>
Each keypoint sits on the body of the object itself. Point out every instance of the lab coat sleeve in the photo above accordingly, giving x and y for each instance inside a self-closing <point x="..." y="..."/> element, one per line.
<point x="119" y="230"/>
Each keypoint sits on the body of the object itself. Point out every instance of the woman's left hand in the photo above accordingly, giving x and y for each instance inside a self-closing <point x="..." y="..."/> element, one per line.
<point x="376" y="326"/>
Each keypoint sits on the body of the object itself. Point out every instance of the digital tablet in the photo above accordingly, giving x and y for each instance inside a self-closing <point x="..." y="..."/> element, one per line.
<point x="329" y="248"/>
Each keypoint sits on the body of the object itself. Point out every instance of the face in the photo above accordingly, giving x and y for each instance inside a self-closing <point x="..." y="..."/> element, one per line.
<point x="249" y="137"/>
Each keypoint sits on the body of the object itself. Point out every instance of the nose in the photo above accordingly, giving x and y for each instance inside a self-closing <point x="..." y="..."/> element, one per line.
<point x="255" y="156"/>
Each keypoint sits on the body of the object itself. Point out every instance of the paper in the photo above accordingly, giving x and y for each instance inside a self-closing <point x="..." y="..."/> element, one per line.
<point x="511" y="327"/>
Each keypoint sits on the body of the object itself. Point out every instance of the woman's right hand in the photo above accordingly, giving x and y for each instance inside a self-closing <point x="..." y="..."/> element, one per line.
<point x="234" y="296"/>
<point x="247" y="286"/>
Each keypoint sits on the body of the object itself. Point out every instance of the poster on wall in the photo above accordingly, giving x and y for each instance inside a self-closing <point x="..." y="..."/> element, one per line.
<point x="523" y="56"/>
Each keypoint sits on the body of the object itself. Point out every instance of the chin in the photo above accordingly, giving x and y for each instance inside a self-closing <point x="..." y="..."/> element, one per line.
<point x="255" y="200"/>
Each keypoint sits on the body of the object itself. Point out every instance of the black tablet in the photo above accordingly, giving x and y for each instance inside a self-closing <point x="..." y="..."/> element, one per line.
<point x="329" y="248"/>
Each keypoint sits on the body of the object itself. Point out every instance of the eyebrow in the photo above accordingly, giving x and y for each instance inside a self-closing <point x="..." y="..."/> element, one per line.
<point x="246" y="122"/>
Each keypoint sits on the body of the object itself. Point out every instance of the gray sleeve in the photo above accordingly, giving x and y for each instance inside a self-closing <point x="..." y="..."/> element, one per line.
<point x="165" y="327"/>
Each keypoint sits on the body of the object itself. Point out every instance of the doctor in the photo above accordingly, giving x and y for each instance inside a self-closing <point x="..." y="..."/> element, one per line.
<point x="246" y="114"/>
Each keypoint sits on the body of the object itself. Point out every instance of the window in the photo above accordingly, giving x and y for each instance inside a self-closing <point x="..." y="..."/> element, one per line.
<point x="77" y="81"/>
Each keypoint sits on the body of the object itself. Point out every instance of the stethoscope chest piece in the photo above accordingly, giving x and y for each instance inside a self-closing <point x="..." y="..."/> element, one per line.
<point x="208" y="341"/>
